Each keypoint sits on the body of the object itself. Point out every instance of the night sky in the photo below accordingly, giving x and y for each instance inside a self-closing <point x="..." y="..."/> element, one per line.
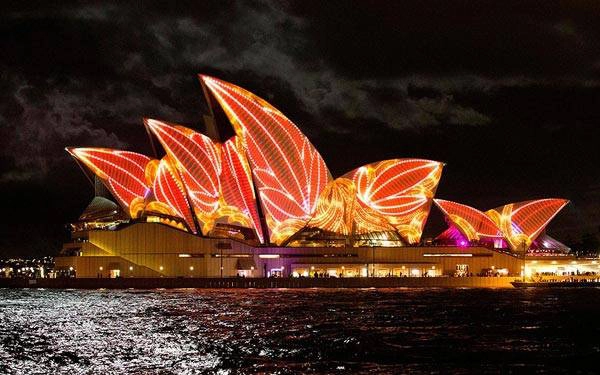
<point x="507" y="93"/>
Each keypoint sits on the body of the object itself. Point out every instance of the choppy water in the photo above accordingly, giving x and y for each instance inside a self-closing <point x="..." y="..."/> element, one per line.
<point x="299" y="331"/>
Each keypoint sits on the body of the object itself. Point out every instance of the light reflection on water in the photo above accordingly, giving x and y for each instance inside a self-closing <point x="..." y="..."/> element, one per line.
<point x="298" y="331"/>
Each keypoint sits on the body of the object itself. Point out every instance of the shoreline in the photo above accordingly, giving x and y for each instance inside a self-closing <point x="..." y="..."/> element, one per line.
<point x="260" y="283"/>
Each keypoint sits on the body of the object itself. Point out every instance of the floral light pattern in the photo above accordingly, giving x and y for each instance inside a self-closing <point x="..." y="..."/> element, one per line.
<point x="288" y="171"/>
<point x="471" y="222"/>
<point x="521" y="223"/>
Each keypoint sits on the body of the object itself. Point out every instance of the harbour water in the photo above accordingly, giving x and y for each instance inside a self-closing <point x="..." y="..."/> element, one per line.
<point x="299" y="331"/>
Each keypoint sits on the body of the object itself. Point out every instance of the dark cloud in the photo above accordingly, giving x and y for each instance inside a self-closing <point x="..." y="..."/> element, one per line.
<point x="504" y="92"/>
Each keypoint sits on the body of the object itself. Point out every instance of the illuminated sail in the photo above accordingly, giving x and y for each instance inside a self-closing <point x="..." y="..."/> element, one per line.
<point x="388" y="196"/>
<point x="401" y="190"/>
<point x="471" y="222"/>
<point x="122" y="172"/>
<point x="198" y="160"/>
<point x="522" y="222"/>
<point x="216" y="176"/>
<point x="288" y="171"/>
<point x="168" y="190"/>
<point x="239" y="202"/>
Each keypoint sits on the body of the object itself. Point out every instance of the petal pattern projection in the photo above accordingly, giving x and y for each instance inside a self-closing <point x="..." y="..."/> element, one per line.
<point x="335" y="212"/>
<point x="471" y="222"/>
<point x="401" y="190"/>
<point x="198" y="160"/>
<point x="216" y="176"/>
<point x="288" y="171"/>
<point x="122" y="172"/>
<point x="388" y="196"/>
<point x="239" y="203"/>
<point x="522" y="222"/>
<point x="169" y="191"/>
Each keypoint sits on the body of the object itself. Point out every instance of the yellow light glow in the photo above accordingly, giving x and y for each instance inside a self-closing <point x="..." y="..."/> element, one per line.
<point x="268" y="256"/>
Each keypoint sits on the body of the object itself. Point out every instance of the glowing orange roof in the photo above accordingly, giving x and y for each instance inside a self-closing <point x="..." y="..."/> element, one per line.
<point x="122" y="172"/>
<point x="391" y="195"/>
<point x="288" y="171"/>
<point x="198" y="160"/>
<point x="471" y="222"/>
<point x="168" y="190"/>
<point x="522" y="222"/>
<point x="237" y="189"/>
<point x="216" y="176"/>
<point x="205" y="183"/>
<point x="401" y="190"/>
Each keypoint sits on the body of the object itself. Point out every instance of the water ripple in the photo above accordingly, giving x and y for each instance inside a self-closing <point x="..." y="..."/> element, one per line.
<point x="191" y="331"/>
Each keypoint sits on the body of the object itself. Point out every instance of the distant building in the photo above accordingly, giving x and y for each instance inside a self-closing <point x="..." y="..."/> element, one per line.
<point x="260" y="201"/>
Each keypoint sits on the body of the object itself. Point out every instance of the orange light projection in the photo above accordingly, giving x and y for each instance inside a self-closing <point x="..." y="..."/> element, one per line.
<point x="522" y="222"/>
<point x="401" y="190"/>
<point x="471" y="222"/>
<point x="198" y="160"/>
<point x="288" y="171"/>
<point x="168" y="190"/>
<point x="139" y="183"/>
<point x="239" y="202"/>
<point x="216" y="176"/>
<point x="391" y="195"/>
<point x="122" y="172"/>
<point x="204" y="182"/>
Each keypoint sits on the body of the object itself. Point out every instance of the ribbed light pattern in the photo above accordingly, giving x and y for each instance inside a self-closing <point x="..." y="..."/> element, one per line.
<point x="391" y="195"/>
<point x="198" y="160"/>
<point x="288" y="171"/>
<point x="216" y="176"/>
<point x="471" y="222"/>
<point x="401" y="190"/>
<point x="522" y="222"/>
<point x="168" y="189"/>
<point x="122" y="172"/>
<point x="236" y="184"/>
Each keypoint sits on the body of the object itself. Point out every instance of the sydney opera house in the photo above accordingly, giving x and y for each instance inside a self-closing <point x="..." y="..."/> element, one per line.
<point x="253" y="197"/>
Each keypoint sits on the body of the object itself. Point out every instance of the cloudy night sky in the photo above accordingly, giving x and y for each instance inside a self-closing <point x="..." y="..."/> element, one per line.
<point x="507" y="93"/>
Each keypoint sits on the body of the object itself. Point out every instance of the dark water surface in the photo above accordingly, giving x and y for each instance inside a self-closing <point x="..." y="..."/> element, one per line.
<point x="299" y="331"/>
